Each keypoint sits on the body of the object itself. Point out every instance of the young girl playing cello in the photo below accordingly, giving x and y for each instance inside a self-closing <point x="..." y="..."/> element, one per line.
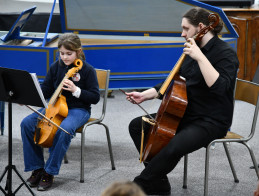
<point x="80" y="92"/>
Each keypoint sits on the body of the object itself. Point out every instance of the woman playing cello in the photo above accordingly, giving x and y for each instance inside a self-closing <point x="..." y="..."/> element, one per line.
<point x="210" y="70"/>
<point x="80" y="91"/>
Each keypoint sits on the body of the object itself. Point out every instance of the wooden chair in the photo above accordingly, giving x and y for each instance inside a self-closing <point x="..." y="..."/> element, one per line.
<point x="247" y="92"/>
<point x="103" y="81"/>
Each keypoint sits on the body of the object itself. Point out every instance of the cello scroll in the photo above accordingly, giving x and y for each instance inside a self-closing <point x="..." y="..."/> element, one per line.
<point x="214" y="21"/>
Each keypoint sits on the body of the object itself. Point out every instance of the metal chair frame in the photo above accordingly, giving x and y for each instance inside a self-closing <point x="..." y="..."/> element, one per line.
<point x="103" y="77"/>
<point x="244" y="91"/>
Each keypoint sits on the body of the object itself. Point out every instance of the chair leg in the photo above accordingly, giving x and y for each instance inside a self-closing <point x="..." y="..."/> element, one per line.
<point x="185" y="171"/>
<point x="109" y="145"/>
<point x="82" y="166"/>
<point x="207" y="169"/>
<point x="230" y="163"/>
<point x="253" y="158"/>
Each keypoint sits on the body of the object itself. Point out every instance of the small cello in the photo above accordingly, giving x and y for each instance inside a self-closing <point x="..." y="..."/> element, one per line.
<point x="173" y="105"/>
<point x="56" y="112"/>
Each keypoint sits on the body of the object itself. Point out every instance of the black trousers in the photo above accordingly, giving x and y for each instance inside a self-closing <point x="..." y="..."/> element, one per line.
<point x="190" y="136"/>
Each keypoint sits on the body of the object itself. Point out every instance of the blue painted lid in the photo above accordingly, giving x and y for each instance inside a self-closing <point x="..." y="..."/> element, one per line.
<point x="132" y="17"/>
<point x="15" y="30"/>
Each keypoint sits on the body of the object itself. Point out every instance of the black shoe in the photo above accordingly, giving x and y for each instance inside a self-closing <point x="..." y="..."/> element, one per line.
<point x="46" y="182"/>
<point x="154" y="187"/>
<point x="35" y="177"/>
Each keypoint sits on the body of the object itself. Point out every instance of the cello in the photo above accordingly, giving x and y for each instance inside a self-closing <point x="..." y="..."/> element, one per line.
<point x="56" y="112"/>
<point x="173" y="105"/>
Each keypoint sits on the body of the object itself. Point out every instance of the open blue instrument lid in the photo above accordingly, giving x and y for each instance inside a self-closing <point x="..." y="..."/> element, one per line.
<point x="132" y="17"/>
<point x="15" y="30"/>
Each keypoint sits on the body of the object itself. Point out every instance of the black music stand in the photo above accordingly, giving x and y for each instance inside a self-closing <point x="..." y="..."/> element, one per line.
<point x="16" y="86"/>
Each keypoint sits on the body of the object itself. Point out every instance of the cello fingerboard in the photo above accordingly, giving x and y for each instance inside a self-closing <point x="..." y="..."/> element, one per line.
<point x="57" y="92"/>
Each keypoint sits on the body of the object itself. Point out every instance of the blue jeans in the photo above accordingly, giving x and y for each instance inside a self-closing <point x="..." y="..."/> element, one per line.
<point x="33" y="154"/>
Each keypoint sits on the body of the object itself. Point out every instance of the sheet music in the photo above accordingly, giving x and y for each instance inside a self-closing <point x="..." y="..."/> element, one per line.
<point x="37" y="85"/>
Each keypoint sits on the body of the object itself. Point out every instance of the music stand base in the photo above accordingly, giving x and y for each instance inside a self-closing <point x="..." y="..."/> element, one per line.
<point x="8" y="170"/>
<point x="12" y="83"/>
<point x="10" y="167"/>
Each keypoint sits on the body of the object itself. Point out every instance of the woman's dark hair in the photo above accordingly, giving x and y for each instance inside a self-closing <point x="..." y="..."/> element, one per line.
<point x="198" y="15"/>
<point x="72" y="42"/>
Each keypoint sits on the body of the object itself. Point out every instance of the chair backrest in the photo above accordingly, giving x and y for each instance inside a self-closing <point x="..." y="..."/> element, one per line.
<point x="103" y="77"/>
<point x="248" y="92"/>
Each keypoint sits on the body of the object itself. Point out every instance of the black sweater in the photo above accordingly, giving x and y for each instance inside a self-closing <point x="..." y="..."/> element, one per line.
<point x="215" y="103"/>
<point x="87" y="83"/>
